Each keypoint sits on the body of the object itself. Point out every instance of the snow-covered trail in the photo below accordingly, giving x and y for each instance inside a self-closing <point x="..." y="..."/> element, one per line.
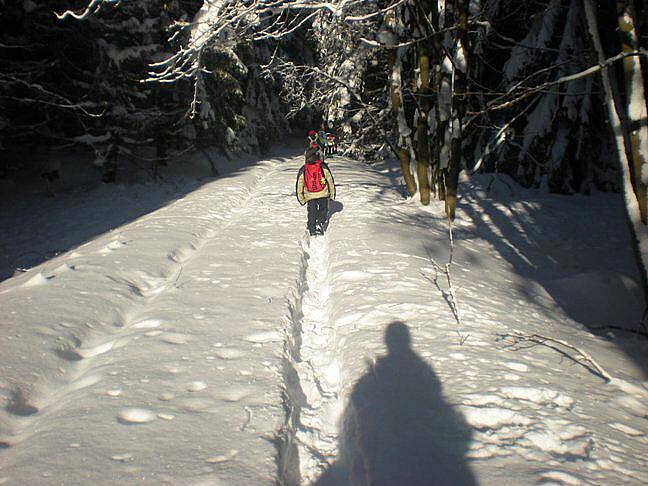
<point x="214" y="342"/>
<point x="154" y="353"/>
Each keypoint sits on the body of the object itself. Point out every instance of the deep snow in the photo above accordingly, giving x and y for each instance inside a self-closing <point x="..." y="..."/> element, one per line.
<point x="212" y="341"/>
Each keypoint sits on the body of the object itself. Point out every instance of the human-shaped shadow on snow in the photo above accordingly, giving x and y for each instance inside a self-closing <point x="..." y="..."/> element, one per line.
<point x="334" y="207"/>
<point x="397" y="429"/>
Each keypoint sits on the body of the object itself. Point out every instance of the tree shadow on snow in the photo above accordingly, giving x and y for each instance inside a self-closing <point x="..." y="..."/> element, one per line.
<point x="579" y="280"/>
<point x="37" y="228"/>
<point x="397" y="429"/>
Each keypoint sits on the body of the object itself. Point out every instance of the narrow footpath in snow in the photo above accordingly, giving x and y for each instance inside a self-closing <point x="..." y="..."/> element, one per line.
<point x="212" y="341"/>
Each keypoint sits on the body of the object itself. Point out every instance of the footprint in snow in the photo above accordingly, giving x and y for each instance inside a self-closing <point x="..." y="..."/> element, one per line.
<point x="570" y="441"/>
<point x="229" y="353"/>
<point x="174" y="338"/>
<point x="539" y="396"/>
<point x="632" y="405"/>
<point x="93" y="351"/>
<point x="264" y="337"/>
<point x="112" y="246"/>
<point x="121" y="457"/>
<point x="492" y="417"/>
<point x="235" y="394"/>
<point x="197" y="405"/>
<point x="521" y="367"/>
<point x="147" y="324"/>
<point x="129" y="416"/>
<point x="229" y="455"/>
<point x="196" y="386"/>
<point x="181" y="255"/>
<point x="36" y="280"/>
<point x="560" y="477"/>
<point x="59" y="270"/>
<point x="147" y="285"/>
<point x="632" y="432"/>
<point x="348" y="319"/>
<point x="352" y="276"/>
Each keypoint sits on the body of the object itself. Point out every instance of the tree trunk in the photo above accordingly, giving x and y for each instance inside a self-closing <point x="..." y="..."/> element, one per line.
<point x="637" y="115"/>
<point x="399" y="116"/>
<point x="438" y="183"/>
<point x="638" y="229"/>
<point x="422" y="139"/>
<point x="161" y="135"/>
<point x="162" y="150"/>
<point x="109" y="173"/>
<point x="460" y="70"/>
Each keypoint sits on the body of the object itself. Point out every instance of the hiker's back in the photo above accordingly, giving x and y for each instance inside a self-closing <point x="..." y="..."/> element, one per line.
<point x="314" y="180"/>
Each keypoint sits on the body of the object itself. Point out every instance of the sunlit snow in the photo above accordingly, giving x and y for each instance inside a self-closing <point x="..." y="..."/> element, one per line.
<point x="207" y="339"/>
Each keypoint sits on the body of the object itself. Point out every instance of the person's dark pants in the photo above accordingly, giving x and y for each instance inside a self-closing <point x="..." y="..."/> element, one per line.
<point x="317" y="213"/>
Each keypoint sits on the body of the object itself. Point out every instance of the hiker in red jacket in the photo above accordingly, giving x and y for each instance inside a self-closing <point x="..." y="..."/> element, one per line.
<point x="316" y="187"/>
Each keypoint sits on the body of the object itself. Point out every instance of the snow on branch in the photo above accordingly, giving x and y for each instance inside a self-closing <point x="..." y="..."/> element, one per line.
<point x="92" y="8"/>
<point x="309" y="85"/>
<point x="499" y="138"/>
<point x="527" y="91"/>
<point x="58" y="100"/>
<point x="359" y="18"/>
<point x="224" y="23"/>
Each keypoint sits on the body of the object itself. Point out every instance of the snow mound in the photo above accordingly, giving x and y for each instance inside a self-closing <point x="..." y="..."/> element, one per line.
<point x="561" y="478"/>
<point x="537" y="395"/>
<point x="136" y="416"/>
<point x="493" y="417"/>
<point x="36" y="280"/>
<point x="574" y="294"/>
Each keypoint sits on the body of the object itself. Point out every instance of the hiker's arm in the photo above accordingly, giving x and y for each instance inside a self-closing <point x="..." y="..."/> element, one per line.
<point x="299" y="188"/>
<point x="330" y="182"/>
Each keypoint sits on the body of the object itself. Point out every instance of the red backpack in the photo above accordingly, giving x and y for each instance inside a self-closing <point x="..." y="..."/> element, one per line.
<point x="314" y="180"/>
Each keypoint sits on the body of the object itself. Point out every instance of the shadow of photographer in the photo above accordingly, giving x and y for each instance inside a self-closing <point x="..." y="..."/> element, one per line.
<point x="397" y="429"/>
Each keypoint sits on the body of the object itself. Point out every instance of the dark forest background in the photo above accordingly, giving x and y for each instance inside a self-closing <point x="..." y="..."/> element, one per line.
<point x="68" y="84"/>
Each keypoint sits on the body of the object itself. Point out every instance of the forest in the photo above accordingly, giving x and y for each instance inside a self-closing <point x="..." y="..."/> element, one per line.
<point x="456" y="296"/>
<point x="511" y="79"/>
<point x="551" y="93"/>
<point x="526" y="88"/>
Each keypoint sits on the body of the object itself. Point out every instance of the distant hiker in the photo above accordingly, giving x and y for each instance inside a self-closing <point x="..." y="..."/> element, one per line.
<point x="50" y="173"/>
<point x="315" y="187"/>
<point x="321" y="139"/>
<point x="49" y="178"/>
<point x="331" y="144"/>
<point x="314" y="149"/>
<point x="313" y="152"/>
<point x="312" y="137"/>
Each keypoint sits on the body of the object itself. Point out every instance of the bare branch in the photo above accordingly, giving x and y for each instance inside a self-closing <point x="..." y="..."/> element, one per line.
<point x="450" y="295"/>
<point x="564" y="79"/>
<point x="581" y="358"/>
<point x="92" y="8"/>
